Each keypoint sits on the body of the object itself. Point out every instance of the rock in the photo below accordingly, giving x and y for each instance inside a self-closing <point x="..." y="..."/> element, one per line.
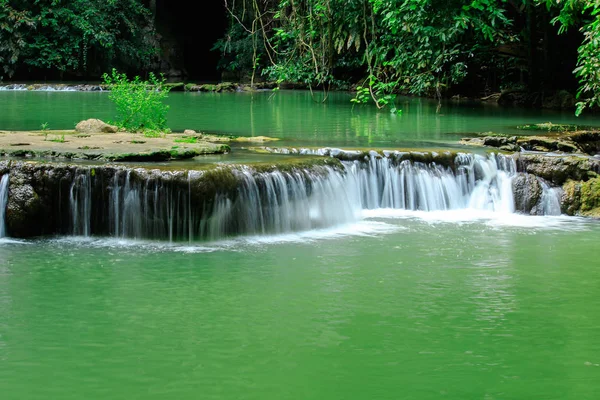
<point x="571" y="198"/>
<point x="189" y="132"/>
<point x="527" y="192"/>
<point x="561" y="100"/>
<point x="472" y="142"/>
<point x="95" y="126"/>
<point x="582" y="198"/>
<point x="256" y="139"/>
<point x="519" y="98"/>
<point x="559" y="169"/>
<point x="510" y="147"/>
<point x="548" y="144"/>
<point x="24" y="206"/>
<point x="588" y="141"/>
<point x="226" y="87"/>
<point x="492" y="97"/>
<point x="495" y="141"/>
<point x="504" y="143"/>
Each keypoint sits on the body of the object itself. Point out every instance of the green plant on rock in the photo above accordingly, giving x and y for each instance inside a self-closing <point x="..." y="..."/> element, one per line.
<point x="140" y="104"/>
<point x="55" y="139"/>
<point x="186" y="139"/>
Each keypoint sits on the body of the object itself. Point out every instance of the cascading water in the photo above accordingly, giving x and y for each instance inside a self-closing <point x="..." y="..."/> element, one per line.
<point x="80" y="200"/>
<point x="244" y="201"/>
<point x="3" y="202"/>
<point x="550" y="201"/>
<point x="478" y="182"/>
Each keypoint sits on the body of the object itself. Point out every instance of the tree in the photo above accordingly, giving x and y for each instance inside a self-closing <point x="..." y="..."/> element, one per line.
<point x="418" y="46"/>
<point x="422" y="47"/>
<point x="586" y="15"/>
<point x="74" y="36"/>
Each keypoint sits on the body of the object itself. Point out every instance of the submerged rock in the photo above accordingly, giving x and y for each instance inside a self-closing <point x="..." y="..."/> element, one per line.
<point x="95" y="126"/>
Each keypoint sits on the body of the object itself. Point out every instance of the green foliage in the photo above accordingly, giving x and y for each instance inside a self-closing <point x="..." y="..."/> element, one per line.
<point x="586" y="14"/>
<point x="56" y="138"/>
<point x="186" y="139"/>
<point x="421" y="47"/>
<point x="74" y="35"/>
<point x="237" y="50"/>
<point x="140" y="104"/>
<point x="416" y="46"/>
<point x="44" y="126"/>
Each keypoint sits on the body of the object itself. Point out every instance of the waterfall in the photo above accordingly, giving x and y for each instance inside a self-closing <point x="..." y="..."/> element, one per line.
<point x="80" y="200"/>
<point x="239" y="200"/>
<point x="550" y="201"/>
<point x="3" y="202"/>
<point x="478" y="183"/>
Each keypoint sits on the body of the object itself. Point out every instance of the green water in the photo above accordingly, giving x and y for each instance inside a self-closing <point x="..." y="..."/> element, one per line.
<point x="427" y="306"/>
<point x="403" y="308"/>
<point x="291" y="115"/>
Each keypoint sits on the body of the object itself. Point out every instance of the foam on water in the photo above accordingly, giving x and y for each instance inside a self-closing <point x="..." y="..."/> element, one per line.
<point x="363" y="229"/>
<point x="486" y="217"/>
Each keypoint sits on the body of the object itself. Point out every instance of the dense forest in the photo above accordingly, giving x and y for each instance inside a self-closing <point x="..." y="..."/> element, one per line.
<point x="379" y="47"/>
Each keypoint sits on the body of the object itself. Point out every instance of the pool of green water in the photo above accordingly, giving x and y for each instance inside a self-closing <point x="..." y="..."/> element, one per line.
<point x="290" y="115"/>
<point x="416" y="306"/>
<point x="429" y="306"/>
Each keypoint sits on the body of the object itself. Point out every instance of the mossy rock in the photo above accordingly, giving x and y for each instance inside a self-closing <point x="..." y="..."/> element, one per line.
<point x="559" y="170"/>
<point x="547" y="144"/>
<point x="550" y="127"/>
<point x="175" y="87"/>
<point x="582" y="198"/>
<point x="590" y="197"/>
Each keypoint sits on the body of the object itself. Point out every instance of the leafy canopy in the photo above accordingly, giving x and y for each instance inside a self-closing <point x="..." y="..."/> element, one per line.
<point x="74" y="36"/>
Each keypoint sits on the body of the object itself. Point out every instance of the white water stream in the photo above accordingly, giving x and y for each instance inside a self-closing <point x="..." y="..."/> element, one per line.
<point x="3" y="202"/>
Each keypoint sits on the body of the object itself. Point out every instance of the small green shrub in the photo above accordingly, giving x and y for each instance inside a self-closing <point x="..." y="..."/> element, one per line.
<point x="56" y="139"/>
<point x="140" y="104"/>
<point x="44" y="126"/>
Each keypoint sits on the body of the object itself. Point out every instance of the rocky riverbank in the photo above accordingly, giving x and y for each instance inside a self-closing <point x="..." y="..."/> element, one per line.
<point x="548" y="138"/>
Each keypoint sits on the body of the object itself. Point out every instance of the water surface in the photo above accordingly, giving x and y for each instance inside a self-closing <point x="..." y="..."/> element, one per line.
<point x="398" y="307"/>
<point x="291" y="115"/>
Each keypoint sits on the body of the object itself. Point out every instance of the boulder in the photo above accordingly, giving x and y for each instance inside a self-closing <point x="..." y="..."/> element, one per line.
<point x="582" y="198"/>
<point x="95" y="126"/>
<point x="527" y="192"/>
<point x="561" y="100"/>
<point x="189" y="132"/>
<point x="498" y="141"/>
